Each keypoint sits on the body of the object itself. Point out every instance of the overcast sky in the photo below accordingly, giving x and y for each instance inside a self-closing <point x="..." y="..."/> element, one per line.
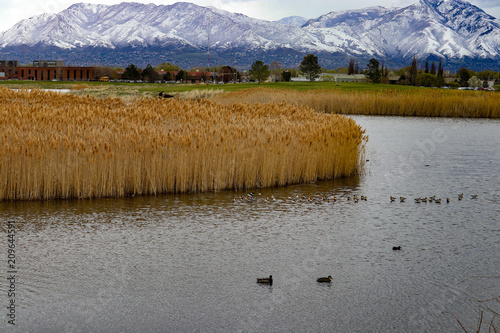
<point x="12" y="11"/>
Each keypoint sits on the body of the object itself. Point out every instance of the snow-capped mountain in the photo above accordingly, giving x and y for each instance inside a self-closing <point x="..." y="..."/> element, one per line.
<point x="296" y="21"/>
<point x="131" y="32"/>
<point x="443" y="28"/>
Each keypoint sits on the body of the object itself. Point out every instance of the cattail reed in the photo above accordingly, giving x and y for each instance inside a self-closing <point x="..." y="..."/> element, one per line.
<point x="413" y="102"/>
<point x="65" y="146"/>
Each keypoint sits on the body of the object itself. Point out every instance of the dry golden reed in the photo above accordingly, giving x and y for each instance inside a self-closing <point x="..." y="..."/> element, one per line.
<point x="64" y="146"/>
<point x="413" y="102"/>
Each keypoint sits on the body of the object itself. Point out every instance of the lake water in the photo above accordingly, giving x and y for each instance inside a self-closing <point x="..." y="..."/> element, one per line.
<point x="189" y="263"/>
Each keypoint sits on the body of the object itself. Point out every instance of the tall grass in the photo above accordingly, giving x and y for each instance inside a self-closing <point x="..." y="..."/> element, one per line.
<point x="421" y="102"/>
<point x="64" y="146"/>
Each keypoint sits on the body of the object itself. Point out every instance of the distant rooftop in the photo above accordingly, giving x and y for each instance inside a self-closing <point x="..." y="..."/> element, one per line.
<point x="48" y="63"/>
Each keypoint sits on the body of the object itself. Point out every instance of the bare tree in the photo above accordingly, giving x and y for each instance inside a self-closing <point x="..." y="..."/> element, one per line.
<point x="276" y="70"/>
<point x="351" y="68"/>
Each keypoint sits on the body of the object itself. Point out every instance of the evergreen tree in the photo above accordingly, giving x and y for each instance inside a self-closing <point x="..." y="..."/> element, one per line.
<point x="167" y="76"/>
<point x="413" y="71"/>
<point x="149" y="74"/>
<point x="426" y="71"/>
<point x="372" y="71"/>
<point x="259" y="71"/>
<point x="310" y="66"/>
<point x="286" y="76"/>
<point x="131" y="73"/>
<point x="433" y="68"/>
<point x="440" y="71"/>
<point x="382" y="73"/>
<point x="182" y="76"/>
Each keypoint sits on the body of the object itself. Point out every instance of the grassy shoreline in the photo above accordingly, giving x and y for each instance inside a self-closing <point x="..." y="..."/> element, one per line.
<point x="416" y="103"/>
<point x="345" y="98"/>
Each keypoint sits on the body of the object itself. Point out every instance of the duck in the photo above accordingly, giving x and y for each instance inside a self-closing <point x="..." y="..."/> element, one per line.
<point x="325" y="279"/>
<point x="268" y="280"/>
<point x="460" y="196"/>
<point x="396" y="248"/>
<point x="447" y="200"/>
<point x="393" y="198"/>
<point x="474" y="196"/>
<point x="402" y="199"/>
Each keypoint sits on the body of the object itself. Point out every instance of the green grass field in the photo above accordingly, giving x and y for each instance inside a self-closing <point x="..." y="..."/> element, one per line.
<point x="121" y="89"/>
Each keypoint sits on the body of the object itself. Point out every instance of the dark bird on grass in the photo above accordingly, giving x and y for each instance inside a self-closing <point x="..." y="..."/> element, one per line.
<point x="268" y="280"/>
<point x="325" y="279"/>
<point x="396" y="248"/>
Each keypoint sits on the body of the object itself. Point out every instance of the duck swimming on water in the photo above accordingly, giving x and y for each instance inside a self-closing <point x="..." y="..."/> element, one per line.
<point x="268" y="280"/>
<point x="325" y="279"/>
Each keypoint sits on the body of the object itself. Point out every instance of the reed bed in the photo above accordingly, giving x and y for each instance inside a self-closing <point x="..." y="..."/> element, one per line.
<point x="415" y="102"/>
<point x="199" y="94"/>
<point x="65" y="146"/>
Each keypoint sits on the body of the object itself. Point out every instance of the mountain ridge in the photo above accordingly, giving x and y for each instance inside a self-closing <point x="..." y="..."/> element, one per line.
<point x="452" y="30"/>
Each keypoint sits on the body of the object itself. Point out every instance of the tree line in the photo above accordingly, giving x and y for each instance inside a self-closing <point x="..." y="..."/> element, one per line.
<point x="430" y="75"/>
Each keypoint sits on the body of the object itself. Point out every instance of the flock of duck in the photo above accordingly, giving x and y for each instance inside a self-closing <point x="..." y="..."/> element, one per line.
<point x="251" y="197"/>
<point x="269" y="280"/>
<point x="431" y="199"/>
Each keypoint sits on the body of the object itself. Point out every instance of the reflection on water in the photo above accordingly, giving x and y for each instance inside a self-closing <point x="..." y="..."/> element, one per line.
<point x="189" y="263"/>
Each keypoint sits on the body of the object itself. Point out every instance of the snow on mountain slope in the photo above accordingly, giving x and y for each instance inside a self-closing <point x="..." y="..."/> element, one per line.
<point x="296" y="21"/>
<point x="443" y="28"/>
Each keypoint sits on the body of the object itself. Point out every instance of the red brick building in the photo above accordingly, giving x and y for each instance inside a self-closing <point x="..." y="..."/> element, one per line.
<point x="55" y="73"/>
<point x="46" y="71"/>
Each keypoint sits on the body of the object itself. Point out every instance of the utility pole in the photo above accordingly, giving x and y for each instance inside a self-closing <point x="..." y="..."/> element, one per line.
<point x="208" y="45"/>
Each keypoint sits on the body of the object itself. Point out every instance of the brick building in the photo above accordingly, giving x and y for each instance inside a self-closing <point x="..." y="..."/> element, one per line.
<point x="7" y="68"/>
<point x="55" y="73"/>
<point x="45" y="70"/>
